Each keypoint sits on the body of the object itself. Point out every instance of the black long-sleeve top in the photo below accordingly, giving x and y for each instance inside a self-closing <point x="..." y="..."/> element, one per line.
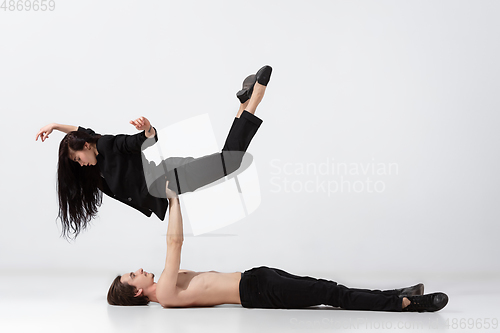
<point x="120" y="162"/>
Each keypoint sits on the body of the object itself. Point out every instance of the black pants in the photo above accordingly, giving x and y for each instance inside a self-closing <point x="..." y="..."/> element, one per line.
<point x="186" y="174"/>
<point x="264" y="287"/>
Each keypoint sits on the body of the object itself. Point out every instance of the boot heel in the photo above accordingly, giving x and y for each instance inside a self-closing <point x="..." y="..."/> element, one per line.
<point x="247" y="88"/>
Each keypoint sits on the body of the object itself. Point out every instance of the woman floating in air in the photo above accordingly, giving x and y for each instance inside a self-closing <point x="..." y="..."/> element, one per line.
<point x="90" y="164"/>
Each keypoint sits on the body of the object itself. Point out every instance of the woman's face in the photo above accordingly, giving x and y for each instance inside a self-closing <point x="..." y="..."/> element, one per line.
<point x="84" y="157"/>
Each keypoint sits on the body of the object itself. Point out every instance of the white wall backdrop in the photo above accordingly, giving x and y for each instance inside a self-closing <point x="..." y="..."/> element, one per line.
<point x="405" y="92"/>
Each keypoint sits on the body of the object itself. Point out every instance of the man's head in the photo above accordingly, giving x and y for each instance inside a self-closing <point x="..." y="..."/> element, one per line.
<point x="131" y="288"/>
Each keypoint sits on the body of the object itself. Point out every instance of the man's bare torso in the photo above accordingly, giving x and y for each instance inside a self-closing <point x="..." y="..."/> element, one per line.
<point x="209" y="288"/>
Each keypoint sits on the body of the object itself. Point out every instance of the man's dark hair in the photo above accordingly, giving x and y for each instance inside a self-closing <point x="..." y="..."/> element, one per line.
<point x="124" y="294"/>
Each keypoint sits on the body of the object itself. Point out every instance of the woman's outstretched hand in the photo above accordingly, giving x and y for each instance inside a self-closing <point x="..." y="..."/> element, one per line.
<point x="44" y="132"/>
<point x="141" y="124"/>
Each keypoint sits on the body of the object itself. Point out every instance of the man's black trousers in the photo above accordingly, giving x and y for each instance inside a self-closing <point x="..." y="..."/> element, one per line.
<point x="264" y="287"/>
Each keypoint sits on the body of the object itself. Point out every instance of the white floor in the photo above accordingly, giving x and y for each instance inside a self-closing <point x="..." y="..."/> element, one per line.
<point x="75" y="302"/>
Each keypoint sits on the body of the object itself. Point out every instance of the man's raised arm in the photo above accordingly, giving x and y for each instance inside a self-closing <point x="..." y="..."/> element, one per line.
<point x="166" y="289"/>
<point x="175" y="234"/>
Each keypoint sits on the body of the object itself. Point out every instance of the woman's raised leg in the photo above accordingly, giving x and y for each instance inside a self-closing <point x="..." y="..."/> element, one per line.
<point x="257" y="95"/>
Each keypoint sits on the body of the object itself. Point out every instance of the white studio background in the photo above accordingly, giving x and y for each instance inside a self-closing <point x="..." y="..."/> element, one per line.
<point x="408" y="84"/>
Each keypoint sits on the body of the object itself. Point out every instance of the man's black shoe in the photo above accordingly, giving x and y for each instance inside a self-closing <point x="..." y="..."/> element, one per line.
<point x="415" y="290"/>
<point x="427" y="303"/>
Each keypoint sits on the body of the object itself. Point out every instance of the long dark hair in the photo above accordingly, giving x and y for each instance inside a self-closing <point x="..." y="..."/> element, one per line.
<point x="78" y="188"/>
<point x="124" y="294"/>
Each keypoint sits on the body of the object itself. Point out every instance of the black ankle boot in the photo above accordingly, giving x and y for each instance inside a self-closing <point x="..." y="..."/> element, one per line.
<point x="264" y="75"/>
<point x="427" y="303"/>
<point x="415" y="290"/>
<point x="247" y="88"/>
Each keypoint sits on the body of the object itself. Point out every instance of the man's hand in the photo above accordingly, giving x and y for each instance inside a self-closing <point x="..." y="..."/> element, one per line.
<point x="170" y="194"/>
<point x="143" y="124"/>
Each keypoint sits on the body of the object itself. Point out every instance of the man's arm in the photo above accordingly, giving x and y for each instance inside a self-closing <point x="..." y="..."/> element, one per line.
<point x="166" y="289"/>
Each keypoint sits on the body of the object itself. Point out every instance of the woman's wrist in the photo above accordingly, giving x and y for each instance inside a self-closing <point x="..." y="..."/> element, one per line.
<point x="150" y="132"/>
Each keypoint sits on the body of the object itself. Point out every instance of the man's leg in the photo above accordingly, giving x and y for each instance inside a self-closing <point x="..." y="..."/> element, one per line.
<point x="284" y="290"/>
<point x="308" y="278"/>
<point x="292" y="276"/>
<point x="407" y="291"/>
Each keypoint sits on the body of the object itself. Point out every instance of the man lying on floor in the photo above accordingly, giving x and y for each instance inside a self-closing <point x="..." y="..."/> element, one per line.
<point x="260" y="287"/>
